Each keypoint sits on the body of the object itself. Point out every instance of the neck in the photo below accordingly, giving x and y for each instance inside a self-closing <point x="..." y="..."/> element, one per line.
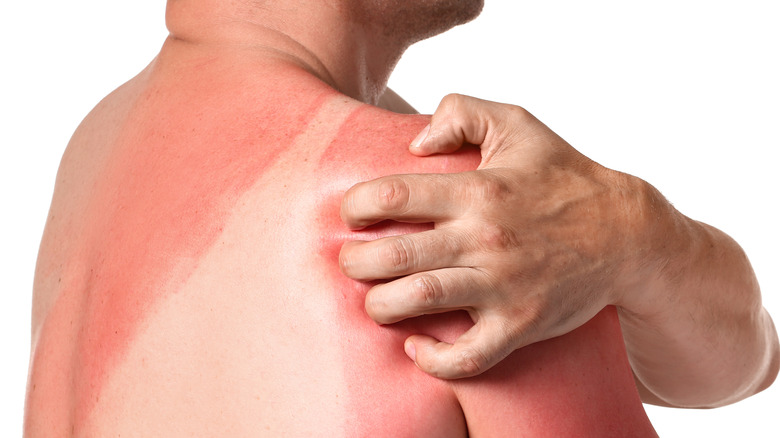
<point x="352" y="55"/>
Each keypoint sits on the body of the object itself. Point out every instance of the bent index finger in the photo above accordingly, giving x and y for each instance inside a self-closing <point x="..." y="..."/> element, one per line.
<point x="414" y="198"/>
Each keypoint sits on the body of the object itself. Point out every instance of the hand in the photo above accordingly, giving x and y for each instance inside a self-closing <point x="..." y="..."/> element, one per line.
<point x="532" y="244"/>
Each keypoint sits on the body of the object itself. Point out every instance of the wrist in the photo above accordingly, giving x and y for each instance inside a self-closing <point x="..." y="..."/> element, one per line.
<point x="657" y="239"/>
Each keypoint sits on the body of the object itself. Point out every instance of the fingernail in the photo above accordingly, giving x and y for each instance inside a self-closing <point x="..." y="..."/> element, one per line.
<point x="410" y="350"/>
<point x="420" y="137"/>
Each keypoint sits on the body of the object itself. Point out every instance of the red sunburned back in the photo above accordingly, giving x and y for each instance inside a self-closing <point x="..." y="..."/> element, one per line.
<point x="188" y="281"/>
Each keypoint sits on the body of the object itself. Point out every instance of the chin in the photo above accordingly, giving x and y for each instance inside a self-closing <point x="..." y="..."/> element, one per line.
<point x="416" y="20"/>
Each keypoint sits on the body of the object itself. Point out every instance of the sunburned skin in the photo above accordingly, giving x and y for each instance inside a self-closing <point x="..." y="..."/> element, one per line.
<point x="156" y="211"/>
<point x="374" y="354"/>
<point x="579" y="384"/>
<point x="188" y="281"/>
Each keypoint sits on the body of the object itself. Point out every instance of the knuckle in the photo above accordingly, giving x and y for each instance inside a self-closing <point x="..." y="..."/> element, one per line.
<point x="454" y="108"/>
<point x="496" y="237"/>
<point x="393" y="194"/>
<point x="490" y="189"/>
<point x="452" y="100"/>
<point x="396" y="255"/>
<point x="427" y="291"/>
<point x="517" y="112"/>
<point x="470" y="362"/>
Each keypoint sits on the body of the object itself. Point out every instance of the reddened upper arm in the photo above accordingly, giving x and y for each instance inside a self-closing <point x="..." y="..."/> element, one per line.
<point x="576" y="385"/>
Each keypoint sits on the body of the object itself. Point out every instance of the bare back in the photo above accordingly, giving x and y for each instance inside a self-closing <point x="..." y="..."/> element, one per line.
<point x="188" y="282"/>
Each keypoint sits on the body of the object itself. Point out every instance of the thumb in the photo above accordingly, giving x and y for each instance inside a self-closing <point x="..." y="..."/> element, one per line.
<point x="458" y="120"/>
<point x="470" y="355"/>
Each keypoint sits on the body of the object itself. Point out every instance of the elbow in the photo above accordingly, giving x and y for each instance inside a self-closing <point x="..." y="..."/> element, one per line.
<point x="766" y="364"/>
<point x="757" y="371"/>
<point x="772" y="354"/>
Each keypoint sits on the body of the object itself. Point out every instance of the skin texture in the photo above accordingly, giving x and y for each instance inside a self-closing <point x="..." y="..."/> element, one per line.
<point x="538" y="240"/>
<point x="188" y="282"/>
<point x="157" y="231"/>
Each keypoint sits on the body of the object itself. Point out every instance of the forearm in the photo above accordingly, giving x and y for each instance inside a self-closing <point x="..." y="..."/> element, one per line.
<point x="695" y="329"/>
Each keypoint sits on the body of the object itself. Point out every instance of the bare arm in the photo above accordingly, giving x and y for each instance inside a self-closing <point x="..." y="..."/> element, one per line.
<point x="696" y="332"/>
<point x="538" y="240"/>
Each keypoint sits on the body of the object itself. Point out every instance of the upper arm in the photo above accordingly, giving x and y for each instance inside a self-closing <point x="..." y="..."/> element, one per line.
<point x="579" y="385"/>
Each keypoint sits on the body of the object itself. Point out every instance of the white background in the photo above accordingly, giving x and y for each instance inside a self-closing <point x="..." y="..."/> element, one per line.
<point x="681" y="93"/>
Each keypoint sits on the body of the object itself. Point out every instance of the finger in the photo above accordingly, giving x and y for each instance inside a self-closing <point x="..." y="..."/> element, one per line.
<point x="406" y="198"/>
<point x="428" y="292"/>
<point x="495" y="127"/>
<point x="476" y="351"/>
<point x="458" y="120"/>
<point x="391" y="257"/>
